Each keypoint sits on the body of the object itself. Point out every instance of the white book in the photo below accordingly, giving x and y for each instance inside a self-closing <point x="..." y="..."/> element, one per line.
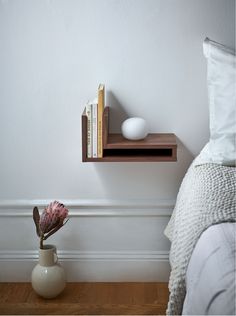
<point x="89" y="129"/>
<point x="95" y="129"/>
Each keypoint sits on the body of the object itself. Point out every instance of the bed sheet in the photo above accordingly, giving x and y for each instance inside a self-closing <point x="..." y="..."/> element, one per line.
<point x="210" y="277"/>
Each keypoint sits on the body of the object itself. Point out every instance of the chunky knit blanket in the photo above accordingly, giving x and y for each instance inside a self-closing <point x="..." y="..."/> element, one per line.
<point x="207" y="196"/>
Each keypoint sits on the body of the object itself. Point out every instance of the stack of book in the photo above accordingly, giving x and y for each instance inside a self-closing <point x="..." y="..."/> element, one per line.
<point x="94" y="112"/>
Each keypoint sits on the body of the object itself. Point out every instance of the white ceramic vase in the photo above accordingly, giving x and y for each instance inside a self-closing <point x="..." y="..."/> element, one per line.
<point x="48" y="276"/>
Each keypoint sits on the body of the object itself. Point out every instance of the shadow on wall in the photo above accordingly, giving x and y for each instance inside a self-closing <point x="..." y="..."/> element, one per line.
<point x="118" y="114"/>
<point x="150" y="180"/>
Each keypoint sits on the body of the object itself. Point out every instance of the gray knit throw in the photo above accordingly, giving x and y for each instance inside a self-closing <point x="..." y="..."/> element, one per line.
<point x="207" y="196"/>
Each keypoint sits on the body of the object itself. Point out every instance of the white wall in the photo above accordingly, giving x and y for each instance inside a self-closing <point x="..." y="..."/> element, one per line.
<point x="53" y="55"/>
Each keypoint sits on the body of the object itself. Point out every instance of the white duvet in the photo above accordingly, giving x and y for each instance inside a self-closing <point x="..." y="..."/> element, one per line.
<point x="211" y="273"/>
<point x="207" y="196"/>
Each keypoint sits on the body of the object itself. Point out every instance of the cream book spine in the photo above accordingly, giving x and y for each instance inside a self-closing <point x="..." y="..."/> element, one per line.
<point x="89" y="129"/>
<point x="101" y="104"/>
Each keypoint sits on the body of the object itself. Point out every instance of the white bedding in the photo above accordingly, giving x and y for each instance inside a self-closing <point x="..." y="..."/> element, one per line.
<point x="210" y="277"/>
<point x="207" y="196"/>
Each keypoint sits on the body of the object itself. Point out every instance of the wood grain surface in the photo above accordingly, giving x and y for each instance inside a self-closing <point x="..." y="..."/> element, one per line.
<point x="86" y="299"/>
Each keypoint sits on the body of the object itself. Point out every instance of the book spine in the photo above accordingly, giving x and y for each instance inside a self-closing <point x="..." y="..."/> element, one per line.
<point x="89" y="130"/>
<point x="101" y="96"/>
<point x="94" y="129"/>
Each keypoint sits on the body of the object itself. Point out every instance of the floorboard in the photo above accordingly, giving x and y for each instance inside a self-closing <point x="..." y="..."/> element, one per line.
<point x="86" y="299"/>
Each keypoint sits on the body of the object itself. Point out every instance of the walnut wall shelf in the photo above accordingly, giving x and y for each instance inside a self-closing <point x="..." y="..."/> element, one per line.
<point x="154" y="148"/>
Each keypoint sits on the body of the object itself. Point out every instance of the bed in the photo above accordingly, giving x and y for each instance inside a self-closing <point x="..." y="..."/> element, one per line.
<point x="207" y="198"/>
<point x="202" y="227"/>
<point x="210" y="276"/>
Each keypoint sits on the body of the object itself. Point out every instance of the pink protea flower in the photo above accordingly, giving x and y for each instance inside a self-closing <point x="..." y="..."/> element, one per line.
<point x="53" y="214"/>
<point x="50" y="221"/>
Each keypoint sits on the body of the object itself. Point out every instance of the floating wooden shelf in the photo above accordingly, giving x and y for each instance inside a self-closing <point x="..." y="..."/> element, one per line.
<point x="154" y="148"/>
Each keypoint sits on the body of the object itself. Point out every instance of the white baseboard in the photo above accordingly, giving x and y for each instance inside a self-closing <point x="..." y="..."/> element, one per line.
<point x="112" y="225"/>
<point x="118" y="266"/>
<point x="63" y="255"/>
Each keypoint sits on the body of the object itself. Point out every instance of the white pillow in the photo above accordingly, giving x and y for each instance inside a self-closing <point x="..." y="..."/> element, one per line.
<point x="221" y="78"/>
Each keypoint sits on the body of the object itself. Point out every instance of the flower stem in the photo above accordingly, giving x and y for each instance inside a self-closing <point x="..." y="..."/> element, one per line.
<point x="41" y="242"/>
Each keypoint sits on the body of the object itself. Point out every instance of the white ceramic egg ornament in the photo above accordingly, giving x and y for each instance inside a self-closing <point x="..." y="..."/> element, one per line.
<point x="134" y="128"/>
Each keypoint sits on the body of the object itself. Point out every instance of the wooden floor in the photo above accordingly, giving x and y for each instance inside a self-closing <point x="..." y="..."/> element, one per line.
<point x="86" y="299"/>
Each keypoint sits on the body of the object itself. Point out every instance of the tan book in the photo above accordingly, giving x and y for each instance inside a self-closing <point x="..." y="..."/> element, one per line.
<point x="94" y="129"/>
<point x="101" y="104"/>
